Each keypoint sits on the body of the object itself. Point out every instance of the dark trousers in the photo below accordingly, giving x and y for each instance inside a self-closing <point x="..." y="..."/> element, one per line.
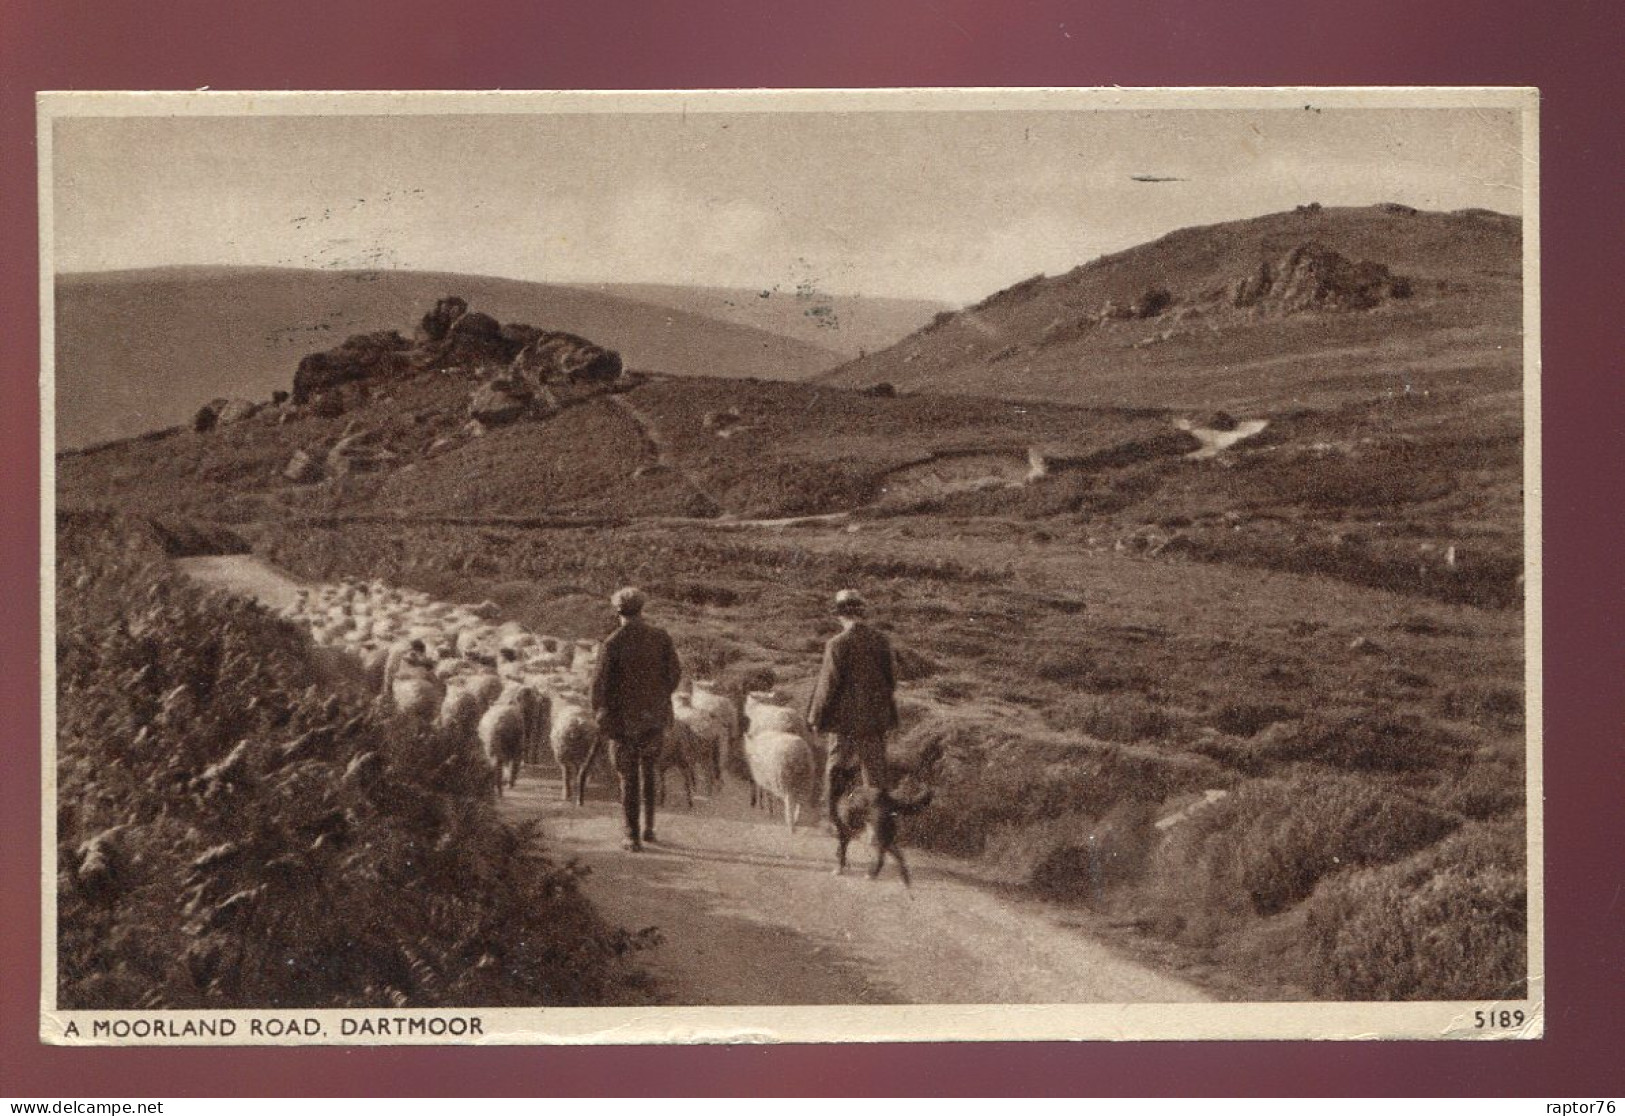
<point x="850" y="758"/>
<point x="635" y="759"/>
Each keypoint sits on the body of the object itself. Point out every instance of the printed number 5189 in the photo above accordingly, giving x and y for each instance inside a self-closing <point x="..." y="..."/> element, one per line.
<point x="1498" y="1017"/>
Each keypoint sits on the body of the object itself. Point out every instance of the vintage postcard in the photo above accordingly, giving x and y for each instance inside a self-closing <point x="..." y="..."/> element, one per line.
<point x="790" y="566"/>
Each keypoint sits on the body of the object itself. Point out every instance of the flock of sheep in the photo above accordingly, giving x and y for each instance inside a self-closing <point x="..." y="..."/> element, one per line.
<point x="507" y="694"/>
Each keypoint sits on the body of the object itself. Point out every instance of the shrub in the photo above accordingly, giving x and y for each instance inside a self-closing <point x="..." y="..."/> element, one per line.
<point x="437" y="322"/>
<point x="1447" y="924"/>
<point x="1121" y="718"/>
<point x="1081" y="669"/>
<point x="993" y="780"/>
<point x="706" y="656"/>
<point x="1153" y="302"/>
<point x="1082" y="858"/>
<point x="1266" y="846"/>
<point x="1484" y="790"/>
<point x="1489" y="580"/>
<point x="1492" y="706"/>
<point x="1361" y="741"/>
<point x="747" y="679"/>
<point x="1248" y="718"/>
<point x="230" y="834"/>
<point x="912" y="666"/>
<point x="1383" y="475"/>
<point x="697" y="593"/>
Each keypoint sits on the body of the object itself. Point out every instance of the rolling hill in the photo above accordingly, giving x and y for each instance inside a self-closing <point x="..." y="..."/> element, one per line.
<point x="850" y="324"/>
<point x="1306" y="308"/>
<point x="140" y="350"/>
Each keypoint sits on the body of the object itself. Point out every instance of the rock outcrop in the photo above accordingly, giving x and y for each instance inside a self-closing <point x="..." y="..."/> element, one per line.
<point x="354" y="453"/>
<point x="302" y="468"/>
<point x="236" y="410"/>
<point x="473" y="342"/>
<point x="1314" y="277"/>
<point x="551" y="356"/>
<point x="500" y="402"/>
<point x="223" y="412"/>
<point x="518" y="359"/>
<point x="364" y="356"/>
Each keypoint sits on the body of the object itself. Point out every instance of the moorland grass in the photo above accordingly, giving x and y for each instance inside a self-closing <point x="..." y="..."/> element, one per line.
<point x="235" y="828"/>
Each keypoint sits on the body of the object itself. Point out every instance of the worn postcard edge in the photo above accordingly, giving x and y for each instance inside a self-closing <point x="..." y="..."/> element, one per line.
<point x="758" y="1024"/>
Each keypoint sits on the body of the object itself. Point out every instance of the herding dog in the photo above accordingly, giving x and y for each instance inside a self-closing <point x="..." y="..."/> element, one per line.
<point x="867" y="808"/>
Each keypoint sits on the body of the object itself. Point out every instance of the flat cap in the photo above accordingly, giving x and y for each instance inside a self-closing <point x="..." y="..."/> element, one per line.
<point x="628" y="601"/>
<point x="850" y="602"/>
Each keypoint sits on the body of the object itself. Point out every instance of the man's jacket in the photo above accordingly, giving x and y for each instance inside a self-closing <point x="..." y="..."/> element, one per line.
<point x="637" y="673"/>
<point x="855" y="691"/>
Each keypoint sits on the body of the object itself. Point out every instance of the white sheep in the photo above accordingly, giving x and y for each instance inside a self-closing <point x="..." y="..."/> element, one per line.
<point x="418" y="696"/>
<point x="460" y="713"/>
<point x="770" y="710"/>
<point x="781" y="764"/>
<point x="397" y="659"/>
<point x="506" y="728"/>
<point x="711" y="734"/>
<point x="486" y="684"/>
<point x="575" y="740"/>
<point x="584" y="658"/>
<point x="374" y="658"/>
<point x="684" y="748"/>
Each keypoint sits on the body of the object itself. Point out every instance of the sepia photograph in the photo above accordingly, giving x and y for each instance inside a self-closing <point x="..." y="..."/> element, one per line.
<point x="790" y="566"/>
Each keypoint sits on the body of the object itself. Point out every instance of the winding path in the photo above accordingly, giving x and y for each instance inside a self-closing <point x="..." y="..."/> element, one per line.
<point x="750" y="913"/>
<point x="659" y="447"/>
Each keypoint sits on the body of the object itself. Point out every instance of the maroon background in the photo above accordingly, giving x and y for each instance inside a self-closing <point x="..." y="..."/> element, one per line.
<point x="1570" y="51"/>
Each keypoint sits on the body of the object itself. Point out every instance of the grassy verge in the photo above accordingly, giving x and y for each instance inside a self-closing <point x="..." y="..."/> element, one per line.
<point x="234" y="831"/>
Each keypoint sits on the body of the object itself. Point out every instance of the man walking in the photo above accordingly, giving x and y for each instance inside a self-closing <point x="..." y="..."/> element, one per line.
<point x="631" y="698"/>
<point x="855" y="700"/>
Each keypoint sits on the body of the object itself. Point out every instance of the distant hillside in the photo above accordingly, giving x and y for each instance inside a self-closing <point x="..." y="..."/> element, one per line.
<point x="849" y="324"/>
<point x="140" y="350"/>
<point x="1416" y="494"/>
<point x="1311" y="307"/>
<point x="662" y="446"/>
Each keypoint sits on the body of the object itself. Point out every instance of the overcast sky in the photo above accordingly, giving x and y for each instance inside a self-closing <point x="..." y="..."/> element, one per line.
<point x="944" y="205"/>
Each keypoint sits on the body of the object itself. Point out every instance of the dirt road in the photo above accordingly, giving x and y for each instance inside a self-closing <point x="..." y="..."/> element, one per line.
<point x="244" y="575"/>
<point x="751" y="914"/>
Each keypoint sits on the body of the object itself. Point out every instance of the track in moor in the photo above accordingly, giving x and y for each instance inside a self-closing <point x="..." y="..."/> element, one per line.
<point x="656" y="445"/>
<point x="751" y="913"/>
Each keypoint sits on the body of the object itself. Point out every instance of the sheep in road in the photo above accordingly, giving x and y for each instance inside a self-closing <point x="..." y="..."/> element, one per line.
<point x="584" y="658"/>
<point x="403" y="657"/>
<point x="418" y="697"/>
<point x="506" y="728"/>
<point x="468" y="695"/>
<point x="710" y="733"/>
<point x="771" y="711"/>
<point x="706" y="697"/>
<point x="684" y="748"/>
<point x="575" y="741"/>
<point x="460" y="713"/>
<point x="781" y="764"/>
<point x="374" y="660"/>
